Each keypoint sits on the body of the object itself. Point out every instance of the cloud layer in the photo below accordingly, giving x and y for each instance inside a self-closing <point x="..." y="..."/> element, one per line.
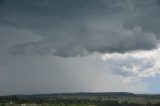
<point x="73" y="27"/>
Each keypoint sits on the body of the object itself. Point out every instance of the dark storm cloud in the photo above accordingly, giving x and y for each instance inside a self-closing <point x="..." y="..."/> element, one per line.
<point x="80" y="27"/>
<point x="1" y="2"/>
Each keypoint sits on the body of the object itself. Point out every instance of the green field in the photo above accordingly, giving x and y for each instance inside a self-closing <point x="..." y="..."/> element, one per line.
<point x="115" y="99"/>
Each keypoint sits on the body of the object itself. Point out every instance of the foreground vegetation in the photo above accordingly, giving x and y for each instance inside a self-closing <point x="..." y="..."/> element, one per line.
<point x="81" y="100"/>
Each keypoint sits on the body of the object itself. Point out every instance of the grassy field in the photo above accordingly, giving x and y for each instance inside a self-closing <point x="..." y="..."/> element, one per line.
<point x="81" y="100"/>
<point x="140" y="100"/>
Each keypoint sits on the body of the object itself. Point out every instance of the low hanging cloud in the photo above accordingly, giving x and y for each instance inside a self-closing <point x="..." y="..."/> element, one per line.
<point x="78" y="28"/>
<point x="72" y="44"/>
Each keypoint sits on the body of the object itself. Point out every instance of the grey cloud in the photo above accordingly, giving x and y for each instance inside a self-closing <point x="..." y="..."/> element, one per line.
<point x="147" y="17"/>
<point x="73" y="27"/>
<point x="1" y="2"/>
<point x="82" y="43"/>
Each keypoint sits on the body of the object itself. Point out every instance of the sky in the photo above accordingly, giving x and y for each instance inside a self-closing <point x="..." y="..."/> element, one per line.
<point x="65" y="46"/>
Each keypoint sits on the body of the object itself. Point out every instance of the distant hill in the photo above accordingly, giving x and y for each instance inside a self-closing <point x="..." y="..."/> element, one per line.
<point x="91" y="94"/>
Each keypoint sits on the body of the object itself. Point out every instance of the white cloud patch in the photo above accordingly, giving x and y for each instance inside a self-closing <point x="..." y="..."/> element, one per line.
<point x="134" y="66"/>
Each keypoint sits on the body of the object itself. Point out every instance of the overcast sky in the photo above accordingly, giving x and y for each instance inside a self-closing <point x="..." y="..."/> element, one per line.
<point x="54" y="46"/>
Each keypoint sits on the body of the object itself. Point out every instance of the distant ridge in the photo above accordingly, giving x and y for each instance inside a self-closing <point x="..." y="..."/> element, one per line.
<point x="90" y="94"/>
<point x="93" y="94"/>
